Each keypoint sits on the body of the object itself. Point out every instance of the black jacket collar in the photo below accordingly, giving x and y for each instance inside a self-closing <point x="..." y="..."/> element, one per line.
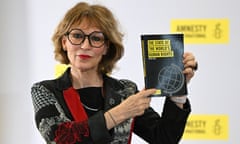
<point x="64" y="82"/>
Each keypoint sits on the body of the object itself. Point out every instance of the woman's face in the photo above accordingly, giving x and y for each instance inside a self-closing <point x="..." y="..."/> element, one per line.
<point x="84" y="56"/>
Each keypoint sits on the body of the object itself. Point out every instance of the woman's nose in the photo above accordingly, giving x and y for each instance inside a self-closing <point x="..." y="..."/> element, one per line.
<point x="86" y="44"/>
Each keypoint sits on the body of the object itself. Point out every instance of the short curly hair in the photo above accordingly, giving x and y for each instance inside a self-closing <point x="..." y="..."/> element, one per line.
<point x="104" y="19"/>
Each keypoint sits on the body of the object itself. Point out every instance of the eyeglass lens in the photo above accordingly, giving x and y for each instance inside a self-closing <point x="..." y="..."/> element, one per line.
<point x="95" y="39"/>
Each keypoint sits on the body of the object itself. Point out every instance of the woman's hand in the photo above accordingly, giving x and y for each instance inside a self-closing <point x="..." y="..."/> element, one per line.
<point x="134" y="105"/>
<point x="190" y="65"/>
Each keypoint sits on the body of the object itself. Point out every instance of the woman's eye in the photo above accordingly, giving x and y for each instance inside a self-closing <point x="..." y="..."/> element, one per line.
<point x="78" y="36"/>
<point x="96" y="38"/>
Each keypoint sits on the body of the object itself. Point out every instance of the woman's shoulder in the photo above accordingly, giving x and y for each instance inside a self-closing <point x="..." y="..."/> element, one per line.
<point x="60" y="83"/>
<point x="45" y="83"/>
<point x="45" y="87"/>
<point x="121" y="83"/>
<point x="127" y="83"/>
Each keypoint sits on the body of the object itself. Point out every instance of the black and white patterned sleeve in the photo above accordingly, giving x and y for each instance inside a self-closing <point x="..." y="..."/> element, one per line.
<point x="48" y="112"/>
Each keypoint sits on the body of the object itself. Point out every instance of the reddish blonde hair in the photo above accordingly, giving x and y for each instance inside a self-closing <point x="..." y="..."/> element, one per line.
<point x="100" y="16"/>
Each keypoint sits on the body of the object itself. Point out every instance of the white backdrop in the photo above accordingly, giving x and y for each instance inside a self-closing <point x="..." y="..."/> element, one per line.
<point x="26" y="56"/>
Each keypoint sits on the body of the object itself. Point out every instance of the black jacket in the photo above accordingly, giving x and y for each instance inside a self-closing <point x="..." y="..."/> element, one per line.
<point x="52" y="111"/>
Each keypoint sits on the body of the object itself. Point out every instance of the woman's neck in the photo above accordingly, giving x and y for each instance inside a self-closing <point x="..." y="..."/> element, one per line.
<point x="86" y="79"/>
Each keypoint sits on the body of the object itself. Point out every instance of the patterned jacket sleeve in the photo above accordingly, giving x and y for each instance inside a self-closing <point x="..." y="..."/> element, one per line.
<point x="51" y="120"/>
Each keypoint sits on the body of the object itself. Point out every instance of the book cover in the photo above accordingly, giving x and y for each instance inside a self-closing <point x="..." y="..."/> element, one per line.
<point x="162" y="56"/>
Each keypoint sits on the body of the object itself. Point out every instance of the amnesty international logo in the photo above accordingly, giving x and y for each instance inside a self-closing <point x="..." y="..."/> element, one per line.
<point x="207" y="127"/>
<point x="202" y="30"/>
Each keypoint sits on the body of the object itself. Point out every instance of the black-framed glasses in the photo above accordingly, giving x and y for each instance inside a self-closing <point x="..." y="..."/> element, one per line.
<point x="77" y="37"/>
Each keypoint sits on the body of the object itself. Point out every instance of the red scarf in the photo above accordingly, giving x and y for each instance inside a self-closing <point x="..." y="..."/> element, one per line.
<point x="74" y="104"/>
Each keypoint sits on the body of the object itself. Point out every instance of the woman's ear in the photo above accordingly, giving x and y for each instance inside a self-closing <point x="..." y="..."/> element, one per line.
<point x="106" y="48"/>
<point x="64" y="40"/>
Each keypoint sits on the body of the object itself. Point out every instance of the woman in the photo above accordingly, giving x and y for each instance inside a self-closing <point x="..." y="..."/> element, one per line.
<point x="86" y="105"/>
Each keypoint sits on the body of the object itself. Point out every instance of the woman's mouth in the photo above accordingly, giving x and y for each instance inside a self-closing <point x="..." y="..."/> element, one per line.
<point x="82" y="56"/>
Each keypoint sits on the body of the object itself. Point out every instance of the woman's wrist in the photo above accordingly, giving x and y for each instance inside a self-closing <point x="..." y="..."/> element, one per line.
<point x="113" y="117"/>
<point x="179" y="99"/>
<point x="109" y="122"/>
